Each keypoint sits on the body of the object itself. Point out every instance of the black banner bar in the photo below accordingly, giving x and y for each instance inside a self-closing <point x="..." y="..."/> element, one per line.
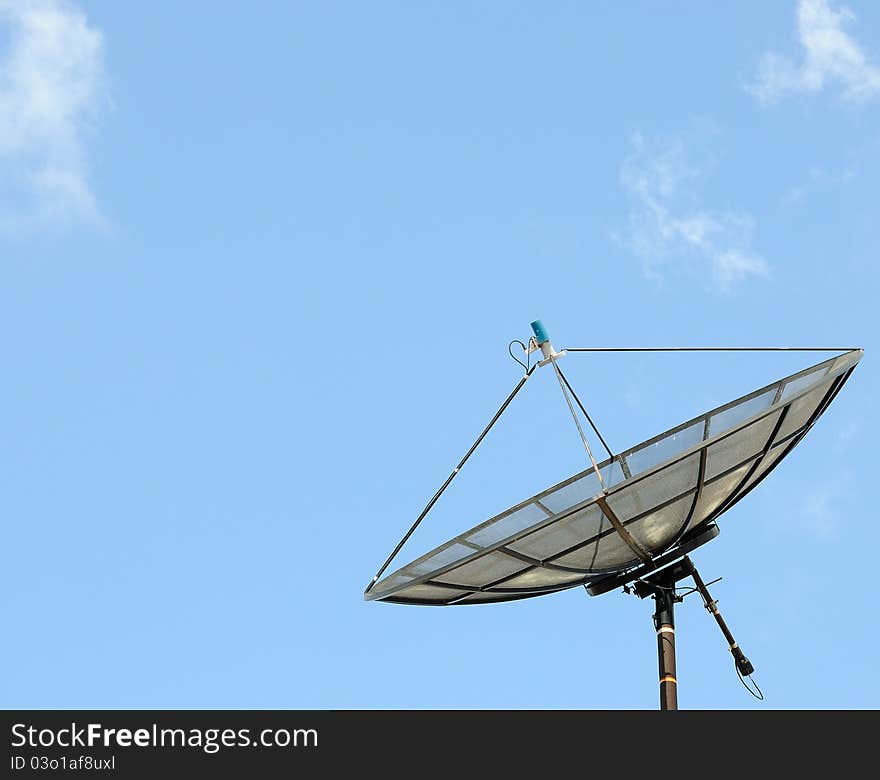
<point x="131" y="743"/>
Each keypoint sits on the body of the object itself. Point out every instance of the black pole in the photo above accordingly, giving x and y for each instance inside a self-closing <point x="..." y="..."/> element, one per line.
<point x="742" y="663"/>
<point x="661" y="587"/>
<point x="664" y="623"/>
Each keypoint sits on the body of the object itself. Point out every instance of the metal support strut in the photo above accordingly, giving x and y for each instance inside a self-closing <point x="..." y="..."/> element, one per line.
<point x="542" y="341"/>
<point x="743" y="665"/>
<point x="436" y="496"/>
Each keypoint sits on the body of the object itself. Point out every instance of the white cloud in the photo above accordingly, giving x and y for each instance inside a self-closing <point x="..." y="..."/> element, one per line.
<point x="52" y="87"/>
<point x="848" y="433"/>
<point x="669" y="227"/>
<point x="824" y="504"/>
<point x="820" y="513"/>
<point x="816" y="179"/>
<point x="830" y="56"/>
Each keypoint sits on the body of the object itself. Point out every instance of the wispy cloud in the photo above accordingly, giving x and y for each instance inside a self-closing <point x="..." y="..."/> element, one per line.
<point x="819" y="511"/>
<point x="848" y="433"/>
<point x="52" y="87"/>
<point x="816" y="179"/>
<point x="824" y="504"/>
<point x="671" y="229"/>
<point x="829" y="57"/>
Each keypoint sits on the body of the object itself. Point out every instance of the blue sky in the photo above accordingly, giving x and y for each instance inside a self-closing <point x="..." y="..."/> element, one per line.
<point x="258" y="272"/>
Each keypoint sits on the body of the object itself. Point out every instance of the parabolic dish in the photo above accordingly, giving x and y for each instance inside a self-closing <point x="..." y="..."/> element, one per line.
<point x="658" y="494"/>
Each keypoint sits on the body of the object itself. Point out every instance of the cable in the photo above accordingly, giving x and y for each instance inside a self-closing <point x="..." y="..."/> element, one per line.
<point x="710" y="349"/>
<point x="759" y="695"/>
<point x="679" y="593"/>
<point x="449" y="479"/>
<point x="525" y="349"/>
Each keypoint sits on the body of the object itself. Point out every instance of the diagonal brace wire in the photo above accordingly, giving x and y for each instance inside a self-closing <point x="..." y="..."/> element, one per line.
<point x="710" y="349"/>
<point x="589" y="419"/>
<point x="449" y="479"/>
<point x="577" y="423"/>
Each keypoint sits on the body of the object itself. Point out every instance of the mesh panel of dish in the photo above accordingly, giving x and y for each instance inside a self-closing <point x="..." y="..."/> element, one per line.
<point x="541" y="577"/>
<point x="562" y="534"/>
<point x="604" y="554"/>
<point x="482" y="571"/>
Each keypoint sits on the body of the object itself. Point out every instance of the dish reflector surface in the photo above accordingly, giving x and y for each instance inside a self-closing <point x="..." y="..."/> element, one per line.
<point x="658" y="493"/>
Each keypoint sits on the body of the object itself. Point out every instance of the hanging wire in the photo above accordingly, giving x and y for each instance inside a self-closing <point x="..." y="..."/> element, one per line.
<point x="524" y="349"/>
<point x="759" y="695"/>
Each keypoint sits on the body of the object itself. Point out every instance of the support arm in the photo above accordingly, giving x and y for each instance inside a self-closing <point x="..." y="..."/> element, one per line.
<point x="742" y="663"/>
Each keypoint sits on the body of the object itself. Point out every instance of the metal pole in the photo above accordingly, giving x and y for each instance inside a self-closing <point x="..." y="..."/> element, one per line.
<point x="449" y="479"/>
<point x="664" y="623"/>
<point x="742" y="663"/>
<point x="578" y="426"/>
<point x="710" y="349"/>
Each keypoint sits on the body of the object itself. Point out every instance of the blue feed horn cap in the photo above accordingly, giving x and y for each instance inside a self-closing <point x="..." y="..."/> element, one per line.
<point x="539" y="331"/>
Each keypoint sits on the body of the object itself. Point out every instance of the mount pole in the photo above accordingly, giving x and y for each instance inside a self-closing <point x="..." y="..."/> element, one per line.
<point x="661" y="587"/>
<point x="664" y="623"/>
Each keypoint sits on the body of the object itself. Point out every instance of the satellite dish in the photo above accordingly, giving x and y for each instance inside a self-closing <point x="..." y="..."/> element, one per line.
<point x="633" y="517"/>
